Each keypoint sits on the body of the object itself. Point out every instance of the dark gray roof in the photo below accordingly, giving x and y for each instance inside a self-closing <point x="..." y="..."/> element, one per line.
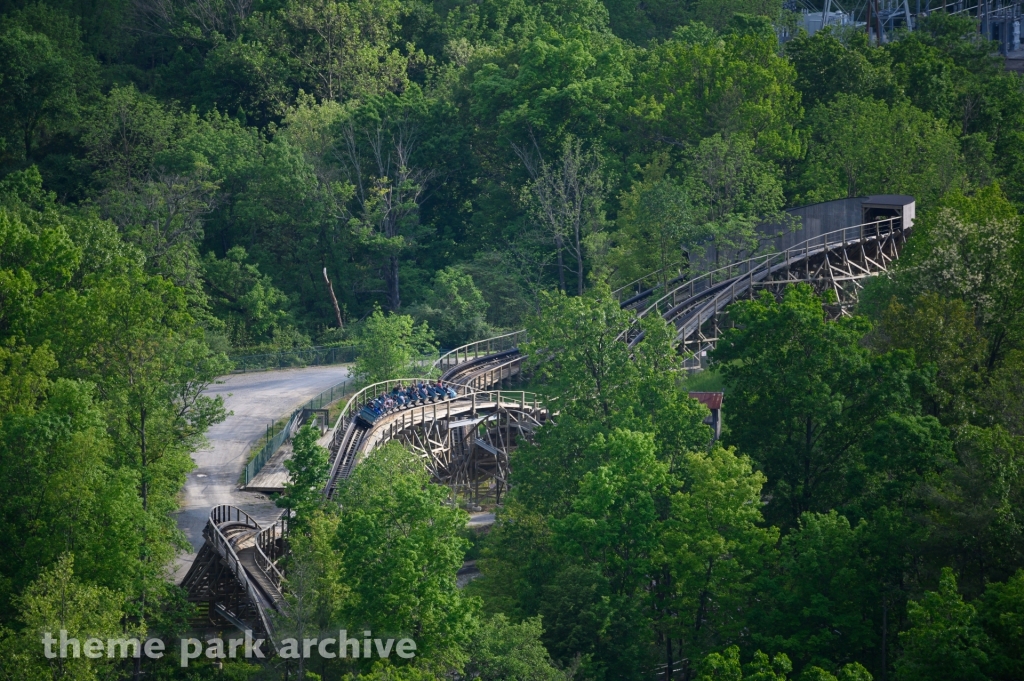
<point x="889" y="200"/>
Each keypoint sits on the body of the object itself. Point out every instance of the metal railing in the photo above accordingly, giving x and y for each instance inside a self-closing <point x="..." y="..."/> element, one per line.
<point x="473" y="401"/>
<point x="681" y="299"/>
<point x="268" y="450"/>
<point x="356" y="402"/>
<point x="298" y="357"/>
<point x="271" y="545"/>
<point x="368" y="393"/>
<point x="480" y="348"/>
<point x="483" y="379"/>
<point x="840" y="237"/>
<point x="648" y="281"/>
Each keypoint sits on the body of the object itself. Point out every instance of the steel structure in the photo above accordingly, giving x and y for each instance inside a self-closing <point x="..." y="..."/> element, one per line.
<point x="998" y="20"/>
<point x="465" y="442"/>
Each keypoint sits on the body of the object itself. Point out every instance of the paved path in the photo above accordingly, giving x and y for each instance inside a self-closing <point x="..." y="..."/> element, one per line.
<point x="255" y="399"/>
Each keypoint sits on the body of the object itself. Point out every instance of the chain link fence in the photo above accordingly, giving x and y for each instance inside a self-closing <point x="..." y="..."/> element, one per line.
<point x="335" y="392"/>
<point x="299" y="357"/>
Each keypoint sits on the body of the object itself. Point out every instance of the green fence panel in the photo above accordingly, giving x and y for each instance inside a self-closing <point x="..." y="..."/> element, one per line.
<point x="328" y="396"/>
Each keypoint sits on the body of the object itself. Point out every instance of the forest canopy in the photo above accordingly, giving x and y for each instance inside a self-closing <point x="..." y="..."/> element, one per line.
<point x="253" y="151"/>
<point x="182" y="181"/>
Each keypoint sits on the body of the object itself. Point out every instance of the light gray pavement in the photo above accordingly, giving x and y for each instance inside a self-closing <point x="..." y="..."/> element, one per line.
<point x="255" y="399"/>
<point x="477" y="520"/>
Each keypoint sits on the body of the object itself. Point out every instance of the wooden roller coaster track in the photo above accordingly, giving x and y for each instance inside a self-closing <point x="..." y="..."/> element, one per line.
<point x="465" y="441"/>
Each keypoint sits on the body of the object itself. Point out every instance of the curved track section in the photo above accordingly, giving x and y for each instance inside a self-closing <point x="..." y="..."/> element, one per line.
<point x="835" y="261"/>
<point x="465" y="441"/>
<point x="484" y="364"/>
<point x="233" y="575"/>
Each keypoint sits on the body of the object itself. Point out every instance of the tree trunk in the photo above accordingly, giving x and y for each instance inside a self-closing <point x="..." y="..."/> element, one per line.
<point x="561" y="265"/>
<point x="334" y="301"/>
<point x="391" y="277"/>
<point x="885" y="635"/>
<point x="144" y="490"/>
<point x="578" y="244"/>
<point x="28" y="144"/>
<point x="808" y="446"/>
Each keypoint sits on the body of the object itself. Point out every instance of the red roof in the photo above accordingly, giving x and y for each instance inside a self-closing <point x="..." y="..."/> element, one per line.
<point x="710" y="400"/>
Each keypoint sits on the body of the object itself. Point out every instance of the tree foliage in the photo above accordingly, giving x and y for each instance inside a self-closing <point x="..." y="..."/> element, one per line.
<point x="179" y="179"/>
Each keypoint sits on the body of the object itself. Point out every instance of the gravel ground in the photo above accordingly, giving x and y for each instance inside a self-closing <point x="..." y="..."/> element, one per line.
<point x="255" y="400"/>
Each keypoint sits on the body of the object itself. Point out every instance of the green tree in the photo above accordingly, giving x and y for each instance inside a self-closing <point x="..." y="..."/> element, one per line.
<point x="833" y="62"/>
<point x="378" y="147"/>
<point x="37" y="86"/>
<point x="617" y="510"/>
<point x="700" y="83"/>
<point x="392" y="346"/>
<point x="974" y="507"/>
<point x="1001" y="614"/>
<point x="944" y="641"/>
<point x="656" y="224"/>
<point x="454" y="308"/>
<point x="346" y="49"/>
<point x="575" y="350"/>
<point x="156" y="185"/>
<point x="548" y="86"/>
<point x="1005" y="400"/>
<point x="726" y="665"/>
<point x="805" y="393"/>
<point x="598" y="604"/>
<point x="58" y="601"/>
<point x="971" y="249"/>
<point x="62" y="495"/>
<point x="400" y="545"/>
<point x="942" y="333"/>
<point x="125" y="132"/>
<point x="501" y="650"/>
<point x="733" y="192"/>
<point x="308" y="469"/>
<point x="714" y="547"/>
<point x="720" y="15"/>
<point x="862" y="146"/>
<point x="948" y="69"/>
<point x="822" y="602"/>
<point x="316" y="587"/>
<point x="254" y="311"/>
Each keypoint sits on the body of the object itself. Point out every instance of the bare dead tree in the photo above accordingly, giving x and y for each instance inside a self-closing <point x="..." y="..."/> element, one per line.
<point x="389" y="189"/>
<point x="566" y="199"/>
<point x="153" y="17"/>
<point x="531" y="262"/>
<point x="334" y="300"/>
<point x="156" y="17"/>
<point x="221" y="16"/>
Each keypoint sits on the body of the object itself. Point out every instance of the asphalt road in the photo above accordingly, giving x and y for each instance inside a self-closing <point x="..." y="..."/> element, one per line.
<point x="255" y="400"/>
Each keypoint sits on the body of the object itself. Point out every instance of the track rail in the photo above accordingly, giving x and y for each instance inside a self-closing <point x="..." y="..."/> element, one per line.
<point x="478" y="349"/>
<point x="465" y="367"/>
<point x="235" y="545"/>
<point x="696" y="301"/>
<point x="239" y="552"/>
